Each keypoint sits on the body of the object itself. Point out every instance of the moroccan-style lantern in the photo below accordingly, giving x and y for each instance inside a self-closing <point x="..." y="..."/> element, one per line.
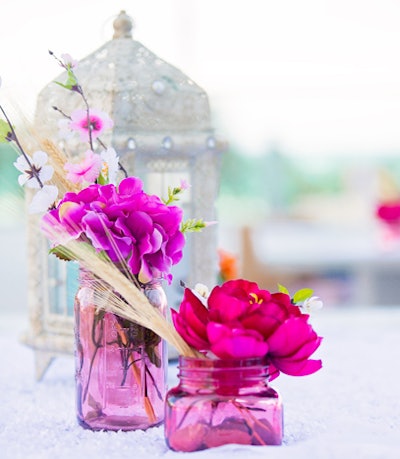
<point x="163" y="134"/>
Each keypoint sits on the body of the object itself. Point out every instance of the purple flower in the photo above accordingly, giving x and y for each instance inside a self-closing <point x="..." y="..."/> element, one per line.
<point x="129" y="225"/>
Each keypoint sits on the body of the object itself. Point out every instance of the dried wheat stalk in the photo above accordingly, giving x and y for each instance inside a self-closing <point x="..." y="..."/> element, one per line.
<point x="111" y="284"/>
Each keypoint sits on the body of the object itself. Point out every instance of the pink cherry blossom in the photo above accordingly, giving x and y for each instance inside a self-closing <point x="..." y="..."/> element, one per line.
<point x="69" y="61"/>
<point x="85" y="171"/>
<point x="184" y="185"/>
<point x="97" y="121"/>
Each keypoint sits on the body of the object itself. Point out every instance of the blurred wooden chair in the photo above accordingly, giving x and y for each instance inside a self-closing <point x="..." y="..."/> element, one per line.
<point x="254" y="269"/>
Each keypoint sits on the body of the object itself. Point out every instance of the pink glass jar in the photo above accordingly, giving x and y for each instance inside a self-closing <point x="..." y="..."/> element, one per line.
<point x="121" y="367"/>
<point x="222" y="401"/>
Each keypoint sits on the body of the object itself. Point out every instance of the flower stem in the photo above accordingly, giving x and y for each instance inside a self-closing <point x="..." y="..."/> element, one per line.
<point x="61" y="112"/>
<point x="136" y="373"/>
<point x="15" y="138"/>
<point x="97" y="344"/>
<point x="246" y="412"/>
<point x="89" y="124"/>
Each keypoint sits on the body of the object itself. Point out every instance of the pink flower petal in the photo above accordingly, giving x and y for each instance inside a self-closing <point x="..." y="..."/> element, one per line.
<point x="297" y="367"/>
<point x="288" y="338"/>
<point x="99" y="121"/>
<point x="235" y="343"/>
<point x="86" y="171"/>
<point x="187" y="333"/>
<point x="306" y="349"/>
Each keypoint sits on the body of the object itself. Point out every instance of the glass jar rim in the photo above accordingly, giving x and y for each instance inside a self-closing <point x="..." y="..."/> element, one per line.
<point x="204" y="362"/>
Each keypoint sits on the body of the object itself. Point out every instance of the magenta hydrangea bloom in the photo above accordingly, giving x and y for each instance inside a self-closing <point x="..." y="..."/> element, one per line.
<point x="98" y="122"/>
<point x="243" y="321"/>
<point x="129" y="225"/>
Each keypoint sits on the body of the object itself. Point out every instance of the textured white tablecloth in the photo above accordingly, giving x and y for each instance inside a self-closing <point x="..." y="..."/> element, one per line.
<point x="350" y="409"/>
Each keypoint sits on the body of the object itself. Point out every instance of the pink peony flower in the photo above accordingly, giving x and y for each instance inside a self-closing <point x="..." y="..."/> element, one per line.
<point x="244" y="321"/>
<point x="129" y="225"/>
<point x="98" y="122"/>
<point x="86" y="171"/>
<point x="228" y="341"/>
<point x="191" y="321"/>
<point x="291" y="345"/>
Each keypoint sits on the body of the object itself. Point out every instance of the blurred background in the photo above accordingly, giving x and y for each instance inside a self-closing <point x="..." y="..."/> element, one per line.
<point x="307" y="94"/>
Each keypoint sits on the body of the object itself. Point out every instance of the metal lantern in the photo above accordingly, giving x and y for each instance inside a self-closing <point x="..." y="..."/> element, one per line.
<point x="162" y="133"/>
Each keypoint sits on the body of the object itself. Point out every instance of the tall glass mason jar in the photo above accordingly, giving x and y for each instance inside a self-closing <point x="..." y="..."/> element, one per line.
<point x="222" y="401"/>
<point x="121" y="367"/>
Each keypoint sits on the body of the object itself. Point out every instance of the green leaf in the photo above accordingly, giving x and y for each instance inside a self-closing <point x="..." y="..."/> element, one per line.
<point x="302" y="295"/>
<point x="173" y="195"/>
<point x="283" y="289"/>
<point x="71" y="82"/>
<point x="193" y="225"/>
<point x="101" y="180"/>
<point x="62" y="253"/>
<point x="4" y="131"/>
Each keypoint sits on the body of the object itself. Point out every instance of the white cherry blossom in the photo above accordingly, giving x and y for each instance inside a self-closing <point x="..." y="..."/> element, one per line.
<point x="110" y="165"/>
<point x="43" y="199"/>
<point x="312" y="304"/>
<point x="39" y="164"/>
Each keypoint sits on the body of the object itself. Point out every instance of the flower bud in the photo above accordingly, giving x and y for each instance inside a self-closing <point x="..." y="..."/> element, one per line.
<point x="312" y="304"/>
<point x="202" y="290"/>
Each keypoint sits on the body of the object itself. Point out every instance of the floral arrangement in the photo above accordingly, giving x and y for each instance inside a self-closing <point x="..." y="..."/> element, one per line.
<point x="247" y="336"/>
<point x="141" y="236"/>
<point x="123" y="239"/>
<point x="123" y="222"/>
<point x="239" y="320"/>
<point x="96" y="214"/>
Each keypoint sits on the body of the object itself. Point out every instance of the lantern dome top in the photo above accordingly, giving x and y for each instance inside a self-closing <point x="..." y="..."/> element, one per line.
<point x="144" y="95"/>
<point x="123" y="26"/>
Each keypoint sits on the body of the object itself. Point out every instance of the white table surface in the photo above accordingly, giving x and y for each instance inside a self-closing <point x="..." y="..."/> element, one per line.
<point x="350" y="409"/>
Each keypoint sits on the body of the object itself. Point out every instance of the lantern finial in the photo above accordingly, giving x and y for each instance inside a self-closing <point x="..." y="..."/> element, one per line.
<point x="123" y="25"/>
